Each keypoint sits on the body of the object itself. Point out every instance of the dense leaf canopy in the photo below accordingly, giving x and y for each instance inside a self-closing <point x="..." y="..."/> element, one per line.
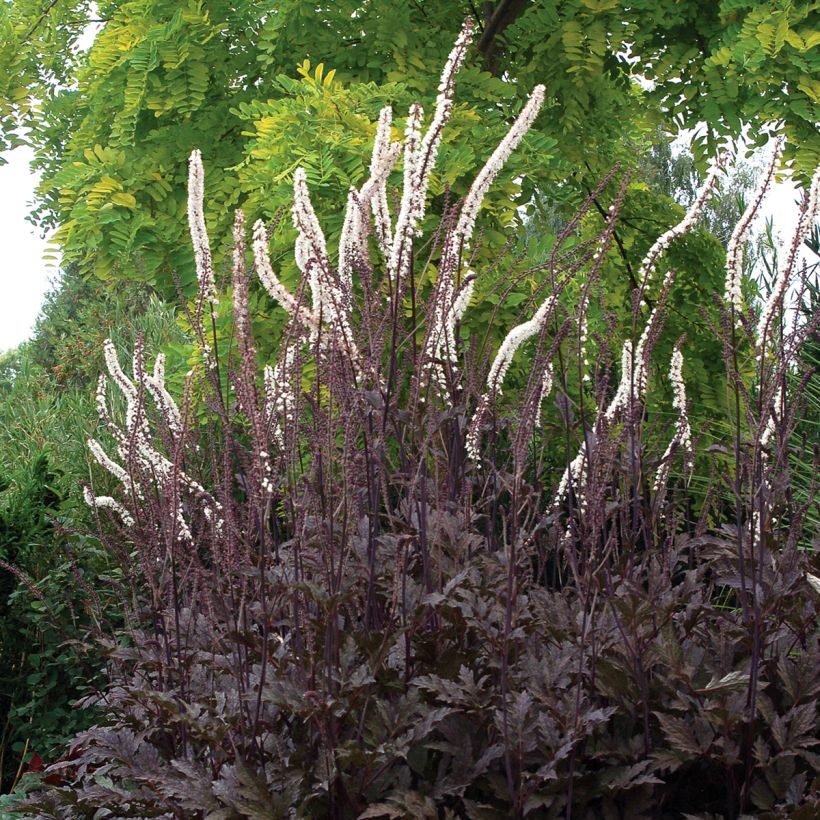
<point x="113" y="124"/>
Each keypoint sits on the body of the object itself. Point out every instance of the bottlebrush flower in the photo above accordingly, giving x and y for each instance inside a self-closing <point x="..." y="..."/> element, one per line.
<point x="546" y="389"/>
<point x="660" y="245"/>
<point x="683" y="432"/>
<point x="573" y="476"/>
<point x="461" y="235"/>
<point x="104" y="460"/>
<point x="400" y="255"/>
<point x="734" y="250"/>
<point x="311" y="248"/>
<point x="163" y="399"/>
<point x="271" y="283"/>
<point x="109" y="502"/>
<point x="514" y="339"/>
<point x="280" y="398"/>
<point x="384" y="157"/>
<point x="428" y="148"/>
<point x="199" y="232"/>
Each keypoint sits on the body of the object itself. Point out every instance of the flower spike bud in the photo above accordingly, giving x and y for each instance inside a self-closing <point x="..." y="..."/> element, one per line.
<point x="660" y="245"/>
<point x="271" y="282"/>
<point x="514" y="339"/>
<point x="110" y="503"/>
<point x="199" y="232"/>
<point x="314" y="247"/>
<point x="734" y="250"/>
<point x="460" y="237"/>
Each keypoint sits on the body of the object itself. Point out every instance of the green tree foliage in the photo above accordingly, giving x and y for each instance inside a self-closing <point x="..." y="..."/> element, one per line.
<point x="112" y="126"/>
<point x="77" y="316"/>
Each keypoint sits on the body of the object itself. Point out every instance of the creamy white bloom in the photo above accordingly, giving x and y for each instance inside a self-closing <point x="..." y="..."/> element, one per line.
<point x="350" y="239"/>
<point x="400" y="250"/>
<point x="101" y="402"/>
<point x="679" y="398"/>
<point x="771" y="424"/>
<point x="660" y="245"/>
<point x="428" y="149"/>
<point x="683" y="432"/>
<point x="384" y="157"/>
<point x="280" y="398"/>
<point x="462" y="300"/>
<point x="331" y="303"/>
<point x="573" y="476"/>
<point x="104" y="460"/>
<point x="734" y="250"/>
<point x="133" y="417"/>
<point x="546" y="389"/>
<point x="270" y="281"/>
<point x="625" y="386"/>
<point x="514" y="339"/>
<point x="163" y="399"/>
<point x="199" y="232"/>
<point x="112" y="362"/>
<point x="463" y="231"/>
<point x="311" y="255"/>
<point x="107" y="501"/>
<point x="449" y="308"/>
<point x="420" y="155"/>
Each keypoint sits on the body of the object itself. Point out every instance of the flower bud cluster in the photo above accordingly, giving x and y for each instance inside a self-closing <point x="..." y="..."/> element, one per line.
<point x="682" y="437"/>
<point x="663" y="242"/>
<point x="134" y="443"/>
<point x="199" y="232"/>
<point x="734" y="250"/>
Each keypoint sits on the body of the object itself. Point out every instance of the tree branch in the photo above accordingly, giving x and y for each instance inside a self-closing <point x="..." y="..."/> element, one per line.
<point x="506" y="13"/>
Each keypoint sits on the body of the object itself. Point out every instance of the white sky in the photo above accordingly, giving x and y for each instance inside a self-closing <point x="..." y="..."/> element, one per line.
<point x="25" y="276"/>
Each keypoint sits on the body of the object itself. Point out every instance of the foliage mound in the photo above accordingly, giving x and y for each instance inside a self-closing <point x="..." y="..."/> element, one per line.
<point x="364" y="586"/>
